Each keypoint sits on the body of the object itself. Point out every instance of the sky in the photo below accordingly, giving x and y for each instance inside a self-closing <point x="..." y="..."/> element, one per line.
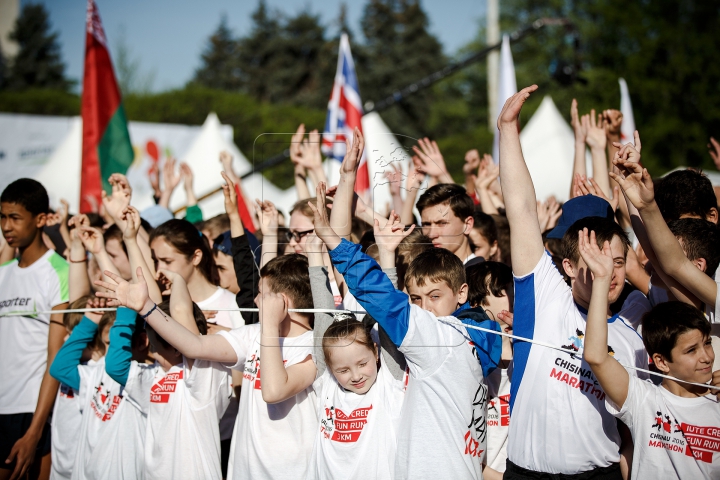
<point x="168" y="36"/>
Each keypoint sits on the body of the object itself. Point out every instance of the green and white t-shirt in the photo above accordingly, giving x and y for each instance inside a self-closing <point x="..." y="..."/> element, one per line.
<point x="24" y="337"/>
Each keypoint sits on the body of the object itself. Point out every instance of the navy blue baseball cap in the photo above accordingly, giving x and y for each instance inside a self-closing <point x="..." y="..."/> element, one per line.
<point x="579" y="208"/>
<point x="223" y="243"/>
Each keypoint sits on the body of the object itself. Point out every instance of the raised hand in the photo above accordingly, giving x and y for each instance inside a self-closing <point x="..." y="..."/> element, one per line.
<point x="230" y="195"/>
<point x="595" y="130"/>
<point x="131" y="216"/>
<point x="429" y="159"/>
<point x="187" y="176"/>
<point x="273" y="309"/>
<point x="389" y="236"/>
<point x="171" y="179"/>
<point x="578" y="127"/>
<point x="394" y="178"/>
<point x="310" y="156"/>
<point x="118" y="200"/>
<point x="612" y="123"/>
<point x="268" y="217"/>
<point x="414" y="178"/>
<point x="167" y="279"/>
<point x="588" y="186"/>
<point x="122" y="183"/>
<point x="353" y="155"/>
<point x="95" y="302"/>
<point x="92" y="239"/>
<point x="488" y="172"/>
<point x="714" y="150"/>
<point x="511" y="110"/>
<point x="554" y="212"/>
<point x="121" y="293"/>
<point x="154" y="177"/>
<point x="296" y="144"/>
<point x="635" y="182"/>
<point x="321" y="220"/>
<point x="600" y="262"/>
<point x="472" y="162"/>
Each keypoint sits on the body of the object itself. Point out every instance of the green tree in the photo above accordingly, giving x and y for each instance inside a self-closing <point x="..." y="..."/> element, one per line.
<point x="399" y="50"/>
<point x="38" y="63"/>
<point x="258" y="53"/>
<point x="220" y="66"/>
<point x="128" y="68"/>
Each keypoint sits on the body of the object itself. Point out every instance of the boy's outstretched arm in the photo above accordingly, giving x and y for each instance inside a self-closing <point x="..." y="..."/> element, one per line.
<point x="612" y="376"/>
<point x="278" y="382"/>
<point x="518" y="190"/>
<point x="214" y="348"/>
<point x="637" y="185"/>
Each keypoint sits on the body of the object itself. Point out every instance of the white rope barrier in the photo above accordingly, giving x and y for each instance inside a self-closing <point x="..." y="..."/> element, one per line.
<point x="333" y="312"/>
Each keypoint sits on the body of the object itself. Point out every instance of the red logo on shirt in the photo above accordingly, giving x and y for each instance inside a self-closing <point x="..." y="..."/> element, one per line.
<point x="692" y="440"/>
<point x="160" y="392"/>
<point x="499" y="412"/>
<point x="102" y="404"/>
<point x="340" y="427"/>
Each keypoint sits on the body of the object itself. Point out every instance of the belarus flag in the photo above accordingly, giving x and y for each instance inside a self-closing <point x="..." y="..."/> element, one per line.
<point x="106" y="145"/>
<point x="345" y="113"/>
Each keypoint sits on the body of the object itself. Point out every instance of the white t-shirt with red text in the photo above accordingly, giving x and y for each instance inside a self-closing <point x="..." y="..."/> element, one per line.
<point x="64" y="431"/>
<point x="112" y="432"/>
<point x="270" y="440"/>
<point x="557" y="406"/>
<point x="356" y="438"/>
<point x="675" y="437"/>
<point x="498" y="417"/>
<point x="183" y="407"/>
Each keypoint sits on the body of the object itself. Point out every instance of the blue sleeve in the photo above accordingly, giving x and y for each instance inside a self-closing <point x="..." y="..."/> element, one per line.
<point x="119" y="354"/>
<point x="373" y="289"/>
<point x="65" y="366"/>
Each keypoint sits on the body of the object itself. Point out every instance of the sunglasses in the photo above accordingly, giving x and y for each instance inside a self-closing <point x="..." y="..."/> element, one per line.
<point x="297" y="236"/>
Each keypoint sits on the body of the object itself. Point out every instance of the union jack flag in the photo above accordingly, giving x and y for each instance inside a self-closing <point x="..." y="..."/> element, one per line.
<point x="345" y="113"/>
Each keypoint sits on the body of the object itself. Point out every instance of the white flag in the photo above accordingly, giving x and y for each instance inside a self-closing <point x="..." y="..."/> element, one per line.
<point x="628" y="122"/>
<point x="507" y="87"/>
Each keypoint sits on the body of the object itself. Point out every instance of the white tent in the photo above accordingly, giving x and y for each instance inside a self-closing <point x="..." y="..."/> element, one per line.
<point x="203" y="157"/>
<point x="548" y="147"/>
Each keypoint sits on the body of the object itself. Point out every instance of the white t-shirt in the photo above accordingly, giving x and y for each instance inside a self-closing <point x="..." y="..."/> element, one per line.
<point x="498" y="417"/>
<point x="65" y="432"/>
<point x="270" y="440"/>
<point x="183" y="407"/>
<point x="559" y="421"/>
<point x="223" y="299"/>
<point x="356" y="437"/>
<point x="674" y="437"/>
<point x="112" y="433"/>
<point x="445" y="403"/>
<point x="24" y="339"/>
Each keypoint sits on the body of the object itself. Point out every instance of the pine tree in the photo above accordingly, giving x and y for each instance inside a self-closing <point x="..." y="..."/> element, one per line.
<point x="38" y="62"/>
<point x="220" y="61"/>
<point x="258" y="53"/>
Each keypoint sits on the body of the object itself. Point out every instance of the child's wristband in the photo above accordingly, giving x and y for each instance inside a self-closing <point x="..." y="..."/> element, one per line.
<point x="144" y="317"/>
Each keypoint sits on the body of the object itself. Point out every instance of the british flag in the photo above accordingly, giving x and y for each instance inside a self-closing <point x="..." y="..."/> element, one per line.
<point x="345" y="113"/>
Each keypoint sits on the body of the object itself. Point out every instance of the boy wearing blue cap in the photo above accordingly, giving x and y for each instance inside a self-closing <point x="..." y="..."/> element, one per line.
<point x="559" y="422"/>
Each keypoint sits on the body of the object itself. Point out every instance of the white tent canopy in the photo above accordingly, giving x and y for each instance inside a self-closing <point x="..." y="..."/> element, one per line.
<point x="548" y="147"/>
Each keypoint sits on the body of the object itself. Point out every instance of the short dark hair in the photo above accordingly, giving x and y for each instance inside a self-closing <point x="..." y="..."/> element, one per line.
<point x="199" y="316"/>
<point x="454" y="195"/>
<point x="604" y="230"/>
<point x="437" y="265"/>
<point x="289" y="274"/>
<point x="662" y="326"/>
<point x="700" y="239"/>
<point x="29" y="193"/>
<point x="685" y="192"/>
<point x="487" y="278"/>
<point x="503" y="238"/>
<point x="410" y="247"/>
<point x="485" y="224"/>
<point x="113" y="232"/>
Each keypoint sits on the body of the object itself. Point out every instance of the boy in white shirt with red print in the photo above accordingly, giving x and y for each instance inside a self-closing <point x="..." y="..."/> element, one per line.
<point x="675" y="425"/>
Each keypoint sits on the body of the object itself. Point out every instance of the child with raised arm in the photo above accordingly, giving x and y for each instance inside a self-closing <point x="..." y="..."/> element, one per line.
<point x="360" y="393"/>
<point x="112" y="431"/>
<point x="274" y="438"/>
<point x="183" y="398"/>
<point x="674" y="425"/>
<point x="442" y="430"/>
<point x="559" y="421"/>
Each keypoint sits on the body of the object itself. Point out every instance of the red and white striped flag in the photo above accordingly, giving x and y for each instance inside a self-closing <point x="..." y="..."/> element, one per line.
<point x="345" y="113"/>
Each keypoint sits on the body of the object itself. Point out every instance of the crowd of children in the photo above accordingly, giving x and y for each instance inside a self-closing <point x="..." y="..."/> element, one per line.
<point x="493" y="336"/>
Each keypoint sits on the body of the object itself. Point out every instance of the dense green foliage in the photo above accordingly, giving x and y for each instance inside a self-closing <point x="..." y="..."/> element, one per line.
<point x="37" y="64"/>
